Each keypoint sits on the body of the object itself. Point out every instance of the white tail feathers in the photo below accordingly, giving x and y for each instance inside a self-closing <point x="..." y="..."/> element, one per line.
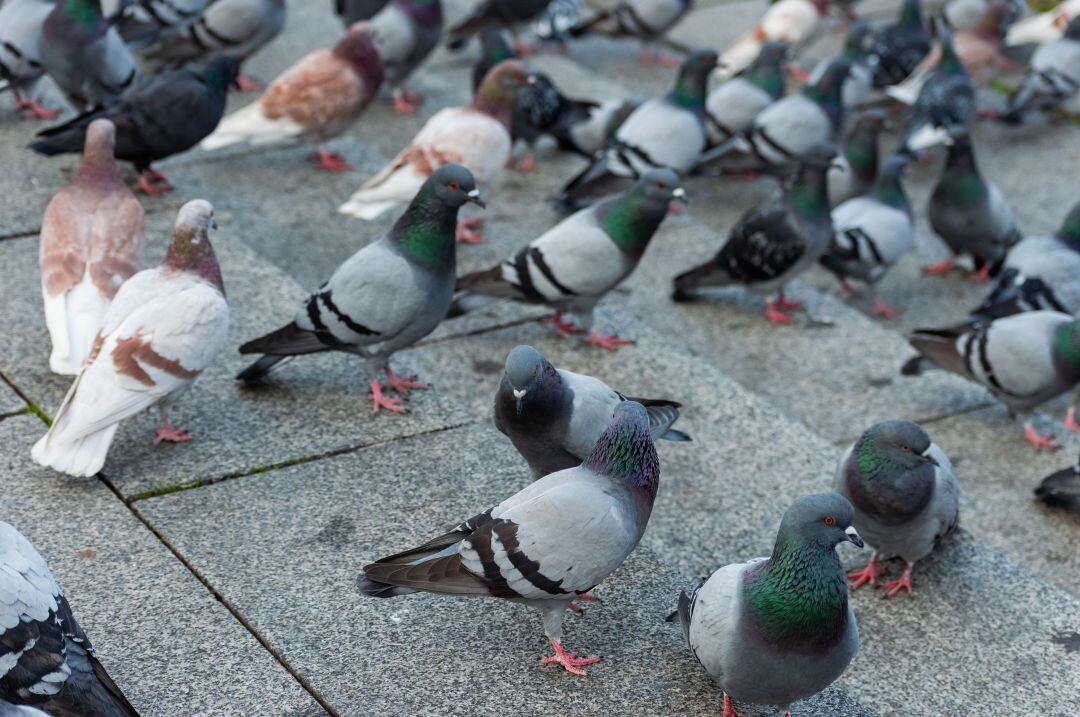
<point x="249" y="124"/>
<point x="73" y="319"/>
<point x="82" y="457"/>
<point x="383" y="192"/>
<point x="366" y="210"/>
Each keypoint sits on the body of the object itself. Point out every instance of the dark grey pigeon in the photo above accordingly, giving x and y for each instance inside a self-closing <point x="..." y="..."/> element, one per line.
<point x="1062" y="489"/>
<point x="541" y="109"/>
<point x="351" y="11"/>
<point x="945" y="105"/>
<point x="1053" y="77"/>
<point x="548" y="544"/>
<point x="47" y="664"/>
<point x="905" y="494"/>
<point x="554" y="417"/>
<point x="385" y="297"/>
<point x="898" y="48"/>
<point x="21" y="23"/>
<point x="775" y="630"/>
<point x="504" y="14"/>
<point x="144" y="21"/>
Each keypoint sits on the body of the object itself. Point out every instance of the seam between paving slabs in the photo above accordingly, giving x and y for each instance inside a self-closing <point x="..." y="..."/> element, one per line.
<point x="21" y="234"/>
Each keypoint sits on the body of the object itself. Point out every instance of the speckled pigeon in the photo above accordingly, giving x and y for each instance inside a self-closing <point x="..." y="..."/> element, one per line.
<point x="779" y="629"/>
<point x="773" y="242"/>
<point x="353" y="11"/>
<point x="1023" y="360"/>
<point x="573" y="265"/>
<point x="646" y="20"/>
<point x="554" y="417"/>
<point x="406" y="32"/>
<point x="21" y="23"/>
<point x="47" y="664"/>
<point x="1062" y="488"/>
<point x="541" y="109"/>
<point x="161" y="115"/>
<point x="898" y="48"/>
<point x="731" y="106"/>
<point x="163" y="328"/>
<point x="386" y="296"/>
<point x="905" y="495"/>
<point x="1052" y="79"/>
<point x="548" y="544"/>
<point x="945" y="104"/>
<point x="858" y="161"/>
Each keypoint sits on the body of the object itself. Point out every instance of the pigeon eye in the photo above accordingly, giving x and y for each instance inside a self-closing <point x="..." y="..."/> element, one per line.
<point x="829" y="520"/>
<point x="904" y="448"/>
<point x="453" y="185"/>
<point x="660" y="184"/>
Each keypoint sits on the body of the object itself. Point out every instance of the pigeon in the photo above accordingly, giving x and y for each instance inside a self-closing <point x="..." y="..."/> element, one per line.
<point x="647" y="20"/>
<point x="731" y="106"/>
<point x="406" y="31"/>
<point x="960" y="15"/>
<point x="385" y="297"/>
<point x="872" y="232"/>
<point x="548" y="544"/>
<point x="1062" y="488"/>
<point x="320" y="96"/>
<point x="773" y="242"/>
<point x="586" y="129"/>
<point x="238" y="28"/>
<point x="554" y="417"/>
<point x="1043" y="27"/>
<point x="21" y="23"/>
<point x="792" y="21"/>
<point x="161" y="331"/>
<point x="1052" y="79"/>
<point x="161" y="115"/>
<point x="84" y="55"/>
<point x="779" y="629"/>
<point x="141" y="22"/>
<point x="970" y="214"/>
<point x="571" y="266"/>
<point x="667" y="131"/>
<point x="1023" y="360"/>
<point x="477" y="136"/>
<point x="905" y="495"/>
<point x="858" y="160"/>
<point x="91" y="241"/>
<point x="945" y="103"/>
<point x="1040" y="272"/>
<point x="898" y="48"/>
<point x="504" y="14"/>
<point x="541" y="109"/>
<point x="353" y="11"/>
<point x="493" y="49"/>
<point x="860" y="77"/>
<point x="47" y="664"/>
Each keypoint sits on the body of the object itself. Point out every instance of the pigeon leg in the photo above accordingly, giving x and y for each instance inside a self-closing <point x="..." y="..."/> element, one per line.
<point x="405" y="102"/>
<point x="247" y="84"/>
<point x="470" y="231"/>
<point x="561" y="327"/>
<point x="942" y="267"/>
<point x="611" y="342"/>
<point x="152" y="183"/>
<point x="330" y="161"/>
<point x="904" y="583"/>
<point x="570" y="661"/>
<point x="981" y="275"/>
<point x="1039" y="441"/>
<point x="1070" y="421"/>
<point x="797" y="73"/>
<point x="170" y="434"/>
<point x="380" y="401"/>
<point x="868" y="575"/>
<point x="884" y="310"/>
<point x="850" y="288"/>
<point x="775" y="315"/>
<point x="785" y="304"/>
<point x="400" y="384"/>
<point x="729" y="708"/>
<point x="35" y="108"/>
<point x="648" y="57"/>
<point x="527" y="163"/>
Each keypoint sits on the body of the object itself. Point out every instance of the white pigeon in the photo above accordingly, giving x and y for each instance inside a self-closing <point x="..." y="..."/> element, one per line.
<point x="793" y="21"/>
<point x="1043" y="27"/>
<point x="163" y="328"/>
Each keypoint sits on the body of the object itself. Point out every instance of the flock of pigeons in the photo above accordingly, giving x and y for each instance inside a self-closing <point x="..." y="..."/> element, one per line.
<point x="151" y="80"/>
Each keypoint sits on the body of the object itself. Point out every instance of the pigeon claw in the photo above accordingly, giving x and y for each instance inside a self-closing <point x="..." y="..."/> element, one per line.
<point x="1070" y="421"/>
<point x="729" y="708"/>
<point x="152" y="183"/>
<point x="405" y="102"/>
<point x="611" y="342"/>
<point x="402" y="384"/>
<point x="527" y="163"/>
<point x="942" y="267"/>
<point x="981" y="275"/>
<point x="867" y="576"/>
<point x="1039" y="441"/>
<point x="171" y="435"/>
<point x="562" y="328"/>
<point x="35" y="108"/>
<point x="776" y="316"/>
<point x="569" y="661"/>
<point x="893" y="587"/>
<point x="380" y="401"/>
<point x="330" y="161"/>
<point x="885" y="311"/>
<point x="785" y="304"/>
<point x="247" y="84"/>
<point x="470" y="231"/>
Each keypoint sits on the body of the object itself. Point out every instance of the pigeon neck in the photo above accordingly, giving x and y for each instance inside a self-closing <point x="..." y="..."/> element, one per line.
<point x="426" y="231"/>
<point x="631" y="220"/>
<point x="689" y="91"/>
<point x="826" y="93"/>
<point x="495" y="103"/>
<point x="884" y="488"/>
<point x="83" y="12"/>
<point x="861" y="151"/>
<point x="911" y="14"/>
<point x="961" y="183"/>
<point x="98" y="165"/>
<point x="769" y="76"/>
<point x="625" y="452"/>
<point x="888" y="189"/>
<point x="809" y="194"/>
<point x="950" y="62"/>
<point x="1070" y="229"/>
<point x="1067" y="348"/>
<point x="184" y="254"/>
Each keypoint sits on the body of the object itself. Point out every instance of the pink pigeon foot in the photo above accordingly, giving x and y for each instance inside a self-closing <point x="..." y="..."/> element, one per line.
<point x="171" y="435"/>
<point x="1070" y="421"/>
<point x="942" y="267"/>
<point x="527" y="163"/>
<point x="981" y="276"/>
<point x="247" y="84"/>
<point x="867" y="576"/>
<point x="152" y="183"/>
<point x="407" y="103"/>
<point x="470" y="231"/>
<point x="330" y="161"/>
<point x="850" y="288"/>
<point x="729" y="708"/>
<point x="611" y="342"/>
<point x="895" y="586"/>
<point x="1039" y="441"/>
<point x="797" y="73"/>
<point x="648" y="57"/>
<point x="380" y="401"/>
<point x="785" y="304"/>
<point x="775" y="315"/>
<point x="522" y="46"/>
<point x="402" y="384"/>
<point x="570" y="661"/>
<point x="884" y="310"/>
<point x="35" y="108"/>
<point x="562" y="328"/>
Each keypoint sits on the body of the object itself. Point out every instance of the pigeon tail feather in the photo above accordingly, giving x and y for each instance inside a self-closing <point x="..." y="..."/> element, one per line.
<point x="82" y="457"/>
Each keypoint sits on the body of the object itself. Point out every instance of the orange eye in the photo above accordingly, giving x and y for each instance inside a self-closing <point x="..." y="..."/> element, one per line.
<point x="453" y="185"/>
<point x="660" y="184"/>
<point x="829" y="520"/>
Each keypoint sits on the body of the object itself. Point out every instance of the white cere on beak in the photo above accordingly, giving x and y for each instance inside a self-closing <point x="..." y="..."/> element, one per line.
<point x="519" y="392"/>
<point x="473" y="194"/>
<point x="678" y="192"/>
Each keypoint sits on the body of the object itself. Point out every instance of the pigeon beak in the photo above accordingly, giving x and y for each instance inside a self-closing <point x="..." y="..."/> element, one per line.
<point x="473" y="197"/>
<point x="530" y="80"/>
<point x="679" y="195"/>
<point x="853" y="536"/>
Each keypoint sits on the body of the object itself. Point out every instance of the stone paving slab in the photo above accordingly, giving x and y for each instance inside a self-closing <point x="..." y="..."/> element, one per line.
<point x="424" y="654"/>
<point x="9" y="400"/>
<point x="170" y="645"/>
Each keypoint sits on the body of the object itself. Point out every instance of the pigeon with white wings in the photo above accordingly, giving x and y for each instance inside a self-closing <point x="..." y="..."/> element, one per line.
<point x="163" y="329"/>
<point x="550" y="543"/>
<point x="47" y="665"/>
<point x="21" y="22"/>
<point x="792" y="21"/>
<point x="91" y="240"/>
<point x="1043" y="27"/>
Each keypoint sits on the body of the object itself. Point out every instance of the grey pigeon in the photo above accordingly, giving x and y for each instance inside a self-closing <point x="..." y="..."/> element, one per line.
<point x="858" y="161"/>
<point x="84" y="55"/>
<point x="646" y="20"/>
<point x="773" y="242"/>
<point x="898" y="48"/>
<point x="872" y="232"/>
<point x="905" y="494"/>
<point x="548" y="544"/>
<point x="353" y="11"/>
<point x="386" y="296"/>
<point x="1062" y="488"/>
<point x="47" y="664"/>
<point x="405" y="33"/>
<point x="1052" y="79"/>
<point x="554" y="417"/>
<point x="731" y="106"/>
<point x="585" y="128"/>
<point x="779" y="629"/>
<point x="945" y="104"/>
<point x="504" y="14"/>
<point x="541" y="109"/>
<point x="21" y="23"/>
<point x="969" y="213"/>
<point x="1040" y="272"/>
<point x="1023" y="360"/>
<point x="571" y="266"/>
<point x="144" y="21"/>
<point x="667" y="131"/>
<point x="161" y="115"/>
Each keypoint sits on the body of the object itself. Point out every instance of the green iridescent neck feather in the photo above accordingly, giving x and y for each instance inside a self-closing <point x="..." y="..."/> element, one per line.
<point x="426" y="231"/>
<point x="84" y="12"/>
<point x="1067" y="346"/>
<point x="809" y="195"/>
<point x="630" y="221"/>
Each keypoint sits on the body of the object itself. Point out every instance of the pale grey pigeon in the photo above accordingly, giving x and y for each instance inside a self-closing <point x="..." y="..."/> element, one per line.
<point x="1023" y="360"/>
<point x="47" y="664"/>
<point x="405" y="33"/>
<point x="163" y="328"/>
<point x="21" y="23"/>
<point x="969" y="213"/>
<point x="144" y="21"/>
<point x="646" y="20"/>
<point x="773" y="242"/>
<point x="571" y="266"/>
<point x="872" y="232"/>
<point x="905" y="494"/>
<point x="385" y="297"/>
<point x="856" y="167"/>
<point x="548" y="544"/>
<point x="731" y="106"/>
<point x="1052" y="79"/>
<point x="86" y="57"/>
<point x="554" y="417"/>
<point x="1062" y="488"/>
<point x="779" y="629"/>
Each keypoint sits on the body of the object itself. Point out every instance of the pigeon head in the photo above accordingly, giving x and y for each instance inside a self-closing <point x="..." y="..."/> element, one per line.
<point x="454" y="186"/>
<point x="358" y="49"/>
<point x="498" y="90"/>
<point x="994" y="22"/>
<point x="425" y="231"/>
<point x="691" y="87"/>
<point x="1070" y="228"/>
<point x="531" y="378"/>
<point x="493" y="45"/>
<point x="893" y="444"/>
<point x="189" y="247"/>
<point x="662" y="187"/>
<point x="858" y="40"/>
<point x="961" y="154"/>
<point x="827" y="90"/>
<point x="890" y="473"/>
<point x="889" y="186"/>
<point x="221" y="72"/>
<point x="99" y="150"/>
<point x="625" y="450"/>
<point x="767" y="69"/>
<point x="821" y="520"/>
<point x="1072" y="30"/>
<point x="631" y="218"/>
